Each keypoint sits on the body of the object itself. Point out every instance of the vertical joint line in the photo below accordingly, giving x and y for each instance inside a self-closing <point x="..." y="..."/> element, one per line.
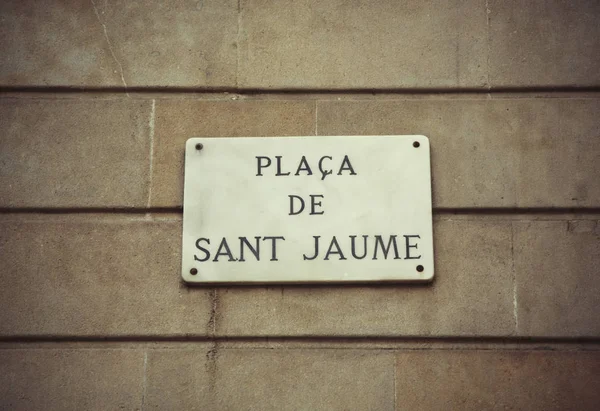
<point x="457" y="51"/>
<point x="144" y="380"/>
<point x="395" y="365"/>
<point x="487" y="20"/>
<point x="237" y="43"/>
<point x="316" y="118"/>
<point x="151" y="167"/>
<point x="514" y="278"/>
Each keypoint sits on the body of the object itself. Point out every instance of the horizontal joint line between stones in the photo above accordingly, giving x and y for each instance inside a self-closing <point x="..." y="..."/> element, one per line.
<point x="300" y="91"/>
<point x="31" y="339"/>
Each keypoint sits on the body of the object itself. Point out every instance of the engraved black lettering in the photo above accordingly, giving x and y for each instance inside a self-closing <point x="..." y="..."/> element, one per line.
<point x="346" y="166"/>
<point x="292" y="202"/>
<point x="338" y="250"/>
<point x="254" y="250"/>
<point x="316" y="237"/>
<point x="409" y="246"/>
<point x="353" y="246"/>
<point x="314" y="203"/>
<point x="384" y="249"/>
<point x="224" y="250"/>
<point x="204" y="250"/>
<point x="260" y="165"/>
<point x="303" y="166"/>
<point x="274" y="246"/>
<point x="279" y="173"/>
<point x="324" y="173"/>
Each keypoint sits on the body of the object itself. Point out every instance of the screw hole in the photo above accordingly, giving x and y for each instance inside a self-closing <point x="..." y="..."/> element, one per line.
<point x="193" y="271"/>
<point x="416" y="144"/>
<point x="420" y="268"/>
<point x="199" y="146"/>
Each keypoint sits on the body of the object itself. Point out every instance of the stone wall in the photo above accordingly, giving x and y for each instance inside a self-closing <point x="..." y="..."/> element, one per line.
<point x="96" y="103"/>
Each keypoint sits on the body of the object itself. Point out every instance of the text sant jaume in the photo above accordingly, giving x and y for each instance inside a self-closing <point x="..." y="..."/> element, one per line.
<point x="370" y="246"/>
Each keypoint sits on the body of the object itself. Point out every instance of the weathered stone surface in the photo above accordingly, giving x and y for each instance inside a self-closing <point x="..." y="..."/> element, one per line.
<point x="179" y="380"/>
<point x="67" y="379"/>
<point x="558" y="288"/>
<point x="300" y="44"/>
<point x="472" y="294"/>
<point x="119" y="276"/>
<point x="178" y="120"/>
<point x="384" y="44"/>
<point x="118" y="44"/>
<point x="558" y="149"/>
<point x="95" y="276"/>
<point x="491" y="153"/>
<point x="487" y="380"/>
<point x="74" y="153"/>
<point x="270" y="380"/>
<point x="544" y="43"/>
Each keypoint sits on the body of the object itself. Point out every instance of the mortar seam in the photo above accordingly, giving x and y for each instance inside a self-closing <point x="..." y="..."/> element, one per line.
<point x="151" y="167"/>
<point x="514" y="278"/>
<point x="395" y="365"/>
<point x="316" y="118"/>
<point x="488" y="39"/>
<point x="237" y="43"/>
<point x="144" y="380"/>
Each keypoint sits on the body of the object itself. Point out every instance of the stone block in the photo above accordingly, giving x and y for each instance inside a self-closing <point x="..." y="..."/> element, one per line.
<point x="74" y="153"/>
<point x="472" y="295"/>
<point x="539" y="153"/>
<point x="385" y="44"/>
<point x="99" y="276"/>
<point x="501" y="380"/>
<point x="178" y="120"/>
<point x="119" y="44"/>
<point x="558" y="149"/>
<point x="558" y="289"/>
<point x="71" y="379"/>
<point x="288" y="379"/>
<point x="544" y="43"/>
<point x="179" y="380"/>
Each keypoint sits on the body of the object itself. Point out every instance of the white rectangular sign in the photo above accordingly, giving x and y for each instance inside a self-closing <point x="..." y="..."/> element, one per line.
<point x="307" y="209"/>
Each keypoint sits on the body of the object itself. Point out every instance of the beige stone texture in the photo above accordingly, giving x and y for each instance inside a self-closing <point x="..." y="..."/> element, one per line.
<point x="74" y="153"/>
<point x="179" y="380"/>
<point x="97" y="276"/>
<point x="341" y="44"/>
<point x="472" y="295"/>
<point x="119" y="44"/>
<point x="178" y="120"/>
<point x="68" y="379"/>
<point x="487" y="380"/>
<point x="558" y="288"/>
<point x="270" y="380"/>
<point x="300" y="44"/>
<point x="558" y="153"/>
<point x="97" y="100"/>
<point x="539" y="153"/>
<point x="544" y="43"/>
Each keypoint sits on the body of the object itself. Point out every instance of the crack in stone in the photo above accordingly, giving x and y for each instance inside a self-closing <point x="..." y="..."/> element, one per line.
<point x="211" y="326"/>
<point x="212" y="354"/>
<point x="110" y="48"/>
